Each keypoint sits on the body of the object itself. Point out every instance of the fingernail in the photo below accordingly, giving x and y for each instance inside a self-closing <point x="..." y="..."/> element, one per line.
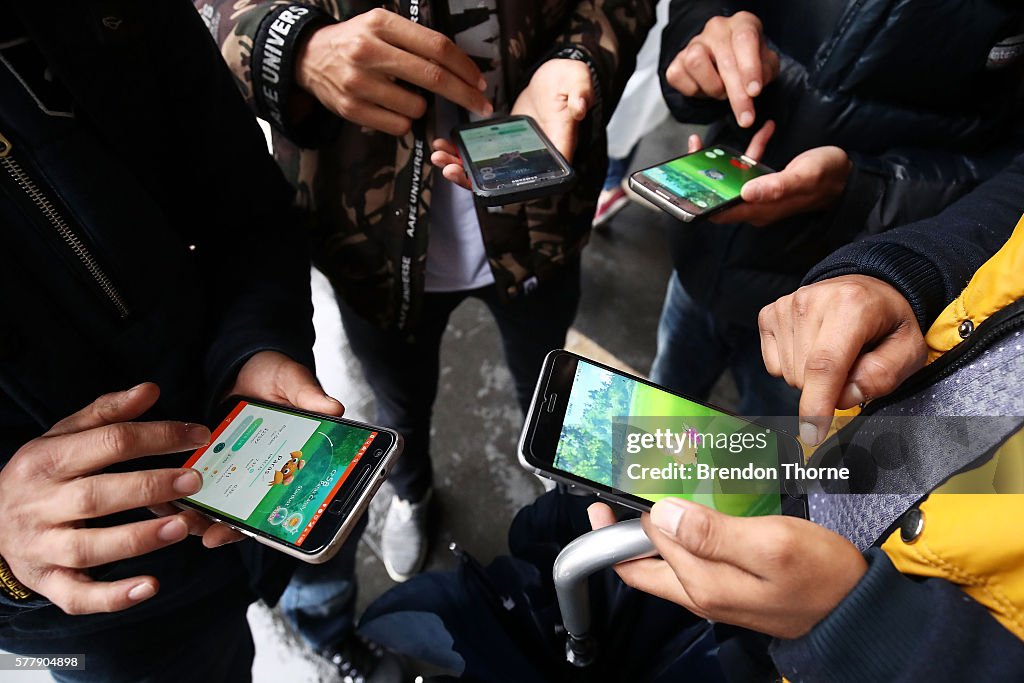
<point x="144" y="591"/>
<point x="134" y="389"/>
<point x="481" y="84"/>
<point x="173" y="530"/>
<point x="188" y="482"/>
<point x="197" y="434"/>
<point x="754" y="88"/>
<point x="488" y="109"/>
<point x="856" y="395"/>
<point x="809" y="434"/>
<point x="746" y="119"/>
<point x="666" y="515"/>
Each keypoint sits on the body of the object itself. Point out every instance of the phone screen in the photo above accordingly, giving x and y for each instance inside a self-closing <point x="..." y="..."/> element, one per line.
<point x="277" y="471"/>
<point x="507" y="154"/>
<point x="632" y="437"/>
<point x="707" y="179"/>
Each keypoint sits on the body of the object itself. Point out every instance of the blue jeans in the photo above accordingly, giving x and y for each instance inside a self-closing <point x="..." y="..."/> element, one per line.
<point x="695" y="348"/>
<point x="617" y="169"/>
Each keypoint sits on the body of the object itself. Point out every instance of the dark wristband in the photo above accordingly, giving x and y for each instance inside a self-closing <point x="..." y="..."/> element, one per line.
<point x="12" y="588"/>
<point x="273" y="56"/>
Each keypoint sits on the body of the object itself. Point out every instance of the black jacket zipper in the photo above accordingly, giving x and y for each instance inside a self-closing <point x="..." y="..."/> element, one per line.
<point x="52" y="215"/>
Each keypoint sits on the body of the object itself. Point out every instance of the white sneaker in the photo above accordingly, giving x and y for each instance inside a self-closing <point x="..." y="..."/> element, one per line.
<point x="403" y="539"/>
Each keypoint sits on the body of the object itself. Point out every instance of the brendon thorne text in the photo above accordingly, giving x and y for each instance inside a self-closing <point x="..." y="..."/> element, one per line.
<point x="703" y="472"/>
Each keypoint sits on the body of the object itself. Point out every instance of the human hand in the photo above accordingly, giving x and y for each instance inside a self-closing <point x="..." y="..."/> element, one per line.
<point x="54" y="484"/>
<point x="812" y="180"/>
<point x="557" y="98"/>
<point x="275" y="378"/>
<point x="729" y="59"/>
<point x="353" y="69"/>
<point x="776" y="575"/>
<point x="842" y="341"/>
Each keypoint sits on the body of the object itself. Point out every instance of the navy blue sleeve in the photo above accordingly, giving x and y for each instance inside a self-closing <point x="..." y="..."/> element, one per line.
<point x="932" y="260"/>
<point x="897" y="629"/>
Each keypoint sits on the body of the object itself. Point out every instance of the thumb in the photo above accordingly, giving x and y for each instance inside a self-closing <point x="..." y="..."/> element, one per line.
<point x="302" y="390"/>
<point x="580" y="96"/>
<point x="879" y="371"/>
<point x="767" y="188"/>
<point x="701" y="531"/>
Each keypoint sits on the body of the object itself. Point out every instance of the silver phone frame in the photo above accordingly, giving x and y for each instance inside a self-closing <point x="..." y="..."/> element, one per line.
<point x="662" y="203"/>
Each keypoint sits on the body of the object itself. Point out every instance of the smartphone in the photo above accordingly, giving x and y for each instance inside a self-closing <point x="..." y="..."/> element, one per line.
<point x="628" y="440"/>
<point x="698" y="184"/>
<point x="509" y="159"/>
<point x="293" y="480"/>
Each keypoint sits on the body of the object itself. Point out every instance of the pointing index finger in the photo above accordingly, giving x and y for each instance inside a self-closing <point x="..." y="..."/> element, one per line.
<point x="746" y="45"/>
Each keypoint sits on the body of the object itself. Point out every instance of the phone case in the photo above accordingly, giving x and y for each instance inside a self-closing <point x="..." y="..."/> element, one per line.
<point x="514" y="195"/>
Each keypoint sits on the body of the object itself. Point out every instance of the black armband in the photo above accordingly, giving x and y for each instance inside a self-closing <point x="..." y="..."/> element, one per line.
<point x="273" y="58"/>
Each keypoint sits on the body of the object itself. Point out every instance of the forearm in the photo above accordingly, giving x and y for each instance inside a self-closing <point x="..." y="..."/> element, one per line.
<point x="930" y="261"/>
<point x="261" y="44"/>
<point x="894" y="628"/>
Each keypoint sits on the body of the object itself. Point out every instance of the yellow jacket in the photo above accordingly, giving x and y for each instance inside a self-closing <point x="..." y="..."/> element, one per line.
<point x="975" y="540"/>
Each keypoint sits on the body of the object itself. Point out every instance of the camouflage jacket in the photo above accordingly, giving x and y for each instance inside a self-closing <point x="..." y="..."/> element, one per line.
<point x="369" y="193"/>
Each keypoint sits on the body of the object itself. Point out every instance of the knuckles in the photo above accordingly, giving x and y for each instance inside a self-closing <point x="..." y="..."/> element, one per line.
<point x="822" y="361"/>
<point x="433" y="75"/>
<point x="118" y="438"/>
<point x="377" y="18"/>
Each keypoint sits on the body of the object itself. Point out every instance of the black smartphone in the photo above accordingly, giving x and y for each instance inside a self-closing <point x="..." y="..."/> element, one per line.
<point x="698" y="184"/>
<point x="509" y="159"/>
<point x="628" y="440"/>
<point x="290" y="479"/>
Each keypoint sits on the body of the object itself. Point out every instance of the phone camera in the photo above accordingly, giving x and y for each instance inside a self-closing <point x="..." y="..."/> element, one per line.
<point x="377" y="453"/>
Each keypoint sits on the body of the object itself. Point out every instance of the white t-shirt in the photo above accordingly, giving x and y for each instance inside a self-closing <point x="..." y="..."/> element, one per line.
<point x="456" y="259"/>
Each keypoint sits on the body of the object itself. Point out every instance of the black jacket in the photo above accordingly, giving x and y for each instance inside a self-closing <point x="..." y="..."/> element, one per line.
<point x="171" y="253"/>
<point x="922" y="95"/>
<point x="931" y="261"/>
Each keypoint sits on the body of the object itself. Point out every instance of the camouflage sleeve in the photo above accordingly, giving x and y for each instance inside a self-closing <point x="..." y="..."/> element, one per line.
<point x="609" y="33"/>
<point x="259" y="40"/>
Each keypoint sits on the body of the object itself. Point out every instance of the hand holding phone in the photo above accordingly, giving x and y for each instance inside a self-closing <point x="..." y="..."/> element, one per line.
<point x="777" y="575"/>
<point x="291" y="479"/>
<point x="504" y="160"/>
<point x="702" y="182"/>
<point x="631" y="441"/>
